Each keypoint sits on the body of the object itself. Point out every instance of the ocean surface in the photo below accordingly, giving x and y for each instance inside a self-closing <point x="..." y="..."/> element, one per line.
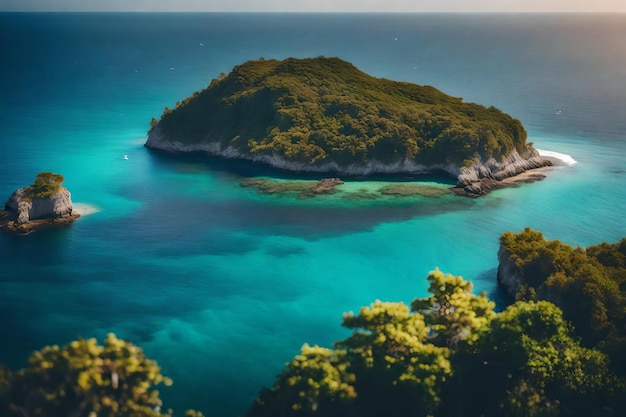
<point x="222" y="285"/>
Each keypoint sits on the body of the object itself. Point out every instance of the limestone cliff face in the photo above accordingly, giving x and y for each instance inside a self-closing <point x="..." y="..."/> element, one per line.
<point x="483" y="176"/>
<point x="510" y="277"/>
<point x="157" y="141"/>
<point x="475" y="180"/>
<point x="52" y="207"/>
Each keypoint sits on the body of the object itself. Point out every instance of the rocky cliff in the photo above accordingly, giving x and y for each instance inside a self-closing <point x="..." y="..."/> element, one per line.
<point x="510" y="276"/>
<point x="23" y="214"/>
<point x="157" y="140"/>
<point x="475" y="180"/>
<point x="482" y="177"/>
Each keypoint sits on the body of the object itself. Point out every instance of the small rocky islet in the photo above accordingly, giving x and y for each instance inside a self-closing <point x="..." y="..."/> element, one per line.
<point x="323" y="115"/>
<point x="44" y="203"/>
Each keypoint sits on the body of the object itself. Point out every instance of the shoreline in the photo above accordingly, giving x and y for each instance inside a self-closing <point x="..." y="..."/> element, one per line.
<point x="8" y="220"/>
<point x="8" y="224"/>
<point x="475" y="181"/>
<point x="537" y="174"/>
<point x="528" y="176"/>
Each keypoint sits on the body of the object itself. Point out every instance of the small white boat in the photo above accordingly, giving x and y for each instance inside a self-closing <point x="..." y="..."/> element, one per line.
<point x="125" y="156"/>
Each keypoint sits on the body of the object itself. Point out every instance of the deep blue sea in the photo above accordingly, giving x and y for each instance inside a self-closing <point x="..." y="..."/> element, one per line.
<point x="222" y="285"/>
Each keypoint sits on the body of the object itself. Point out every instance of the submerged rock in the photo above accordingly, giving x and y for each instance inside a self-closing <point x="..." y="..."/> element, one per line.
<point x="326" y="186"/>
<point x="304" y="189"/>
<point x="412" y="190"/>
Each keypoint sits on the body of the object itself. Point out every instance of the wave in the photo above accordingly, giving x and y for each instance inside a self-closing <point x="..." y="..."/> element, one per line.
<point x="562" y="157"/>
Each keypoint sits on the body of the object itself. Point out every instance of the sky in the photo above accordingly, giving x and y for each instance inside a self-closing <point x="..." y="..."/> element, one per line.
<point x="602" y="6"/>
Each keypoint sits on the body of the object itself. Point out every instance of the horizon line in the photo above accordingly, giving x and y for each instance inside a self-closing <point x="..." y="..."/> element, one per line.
<point x="317" y="12"/>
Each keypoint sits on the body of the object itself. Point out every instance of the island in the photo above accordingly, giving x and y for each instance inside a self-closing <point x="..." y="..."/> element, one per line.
<point x="326" y="116"/>
<point x="44" y="203"/>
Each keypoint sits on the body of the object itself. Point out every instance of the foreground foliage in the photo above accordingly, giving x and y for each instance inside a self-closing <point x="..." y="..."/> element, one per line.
<point x="324" y="110"/>
<point x="452" y="355"/>
<point x="84" y="379"/>
<point x="589" y="285"/>
<point x="529" y="363"/>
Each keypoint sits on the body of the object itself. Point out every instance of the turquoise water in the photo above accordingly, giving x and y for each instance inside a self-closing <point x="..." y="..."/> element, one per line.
<point x="222" y="285"/>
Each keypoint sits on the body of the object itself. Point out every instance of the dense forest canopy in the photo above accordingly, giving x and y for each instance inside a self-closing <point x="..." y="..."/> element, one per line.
<point x="589" y="285"/>
<point x="450" y="354"/>
<point x="322" y="110"/>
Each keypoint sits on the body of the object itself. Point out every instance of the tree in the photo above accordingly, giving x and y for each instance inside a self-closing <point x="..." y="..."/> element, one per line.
<point x="316" y="382"/>
<point x="397" y="369"/>
<point x="387" y="367"/>
<point x="49" y="178"/>
<point x="46" y="184"/>
<point x="527" y="363"/>
<point x="452" y="356"/>
<point x="85" y="379"/>
<point x="452" y="312"/>
<point x="455" y="317"/>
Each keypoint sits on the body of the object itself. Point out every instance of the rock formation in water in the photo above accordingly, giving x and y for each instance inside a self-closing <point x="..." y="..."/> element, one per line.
<point x="510" y="276"/>
<point x="324" y="115"/>
<point x="484" y="176"/>
<point x="43" y="203"/>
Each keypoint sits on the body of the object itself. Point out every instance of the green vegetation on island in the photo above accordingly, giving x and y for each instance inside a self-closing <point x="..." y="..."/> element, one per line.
<point x="45" y="185"/>
<point x="557" y="351"/>
<point x="324" y="110"/>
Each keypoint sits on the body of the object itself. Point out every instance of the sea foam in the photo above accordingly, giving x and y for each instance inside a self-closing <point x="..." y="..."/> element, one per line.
<point x="564" y="158"/>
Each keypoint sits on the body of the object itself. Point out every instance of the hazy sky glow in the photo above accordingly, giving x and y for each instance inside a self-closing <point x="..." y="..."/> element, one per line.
<point x="318" y="5"/>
